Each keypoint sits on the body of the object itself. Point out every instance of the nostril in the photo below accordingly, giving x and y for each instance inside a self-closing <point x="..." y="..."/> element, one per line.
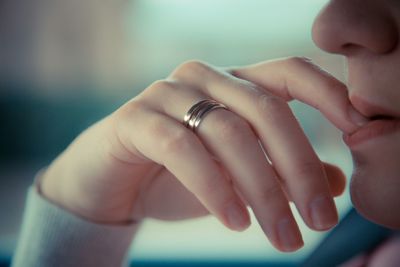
<point x="345" y="27"/>
<point x="348" y="46"/>
<point x="381" y="117"/>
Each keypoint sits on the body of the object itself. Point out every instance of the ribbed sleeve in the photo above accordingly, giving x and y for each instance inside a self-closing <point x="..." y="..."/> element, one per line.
<point x="52" y="236"/>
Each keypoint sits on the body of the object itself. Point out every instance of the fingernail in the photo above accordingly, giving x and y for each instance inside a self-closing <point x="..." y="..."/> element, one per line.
<point x="289" y="235"/>
<point x="323" y="213"/>
<point x="237" y="217"/>
<point x="356" y="117"/>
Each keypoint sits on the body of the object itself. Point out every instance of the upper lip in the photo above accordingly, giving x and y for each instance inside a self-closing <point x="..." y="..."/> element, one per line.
<point x="371" y="110"/>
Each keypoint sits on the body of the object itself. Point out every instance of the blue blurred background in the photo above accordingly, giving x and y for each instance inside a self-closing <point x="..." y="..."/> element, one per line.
<point x="66" y="64"/>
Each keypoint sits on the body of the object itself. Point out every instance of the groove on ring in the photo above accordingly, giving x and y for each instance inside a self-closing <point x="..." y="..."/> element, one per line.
<point x="195" y="114"/>
<point x="193" y="110"/>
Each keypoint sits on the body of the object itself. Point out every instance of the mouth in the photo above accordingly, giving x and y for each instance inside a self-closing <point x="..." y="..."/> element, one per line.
<point x="379" y="125"/>
<point x="382" y="121"/>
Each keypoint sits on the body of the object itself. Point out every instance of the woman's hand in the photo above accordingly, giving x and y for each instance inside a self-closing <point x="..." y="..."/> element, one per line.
<point x="142" y="162"/>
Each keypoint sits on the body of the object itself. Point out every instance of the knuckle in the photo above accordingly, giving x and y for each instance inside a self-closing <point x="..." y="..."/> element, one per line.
<point x="299" y="60"/>
<point x="176" y="142"/>
<point x="129" y="110"/>
<point x="268" y="106"/>
<point x="160" y="86"/>
<point x="135" y="106"/>
<point x="232" y="129"/>
<point x="211" y="186"/>
<point x="270" y="193"/>
<point x="156" y="128"/>
<point x="190" y="67"/>
<point x="305" y="62"/>
<point x="120" y="120"/>
<point x="309" y="169"/>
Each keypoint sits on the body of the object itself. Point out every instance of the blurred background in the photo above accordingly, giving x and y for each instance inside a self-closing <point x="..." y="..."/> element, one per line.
<point x="66" y="64"/>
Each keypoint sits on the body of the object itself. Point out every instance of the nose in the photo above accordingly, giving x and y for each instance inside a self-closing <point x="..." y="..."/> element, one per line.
<point x="346" y="26"/>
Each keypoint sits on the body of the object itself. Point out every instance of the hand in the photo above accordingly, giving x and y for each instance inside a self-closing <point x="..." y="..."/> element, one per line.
<point x="142" y="162"/>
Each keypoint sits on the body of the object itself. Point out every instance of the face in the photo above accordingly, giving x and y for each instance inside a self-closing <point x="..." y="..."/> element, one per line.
<point x="367" y="33"/>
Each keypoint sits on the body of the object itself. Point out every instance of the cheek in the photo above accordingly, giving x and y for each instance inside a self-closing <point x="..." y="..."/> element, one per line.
<point x="375" y="184"/>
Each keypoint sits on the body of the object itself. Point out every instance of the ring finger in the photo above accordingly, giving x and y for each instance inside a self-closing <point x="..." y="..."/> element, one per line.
<point x="230" y="138"/>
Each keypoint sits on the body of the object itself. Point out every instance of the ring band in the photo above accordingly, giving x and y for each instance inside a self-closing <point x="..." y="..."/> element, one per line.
<point x="196" y="113"/>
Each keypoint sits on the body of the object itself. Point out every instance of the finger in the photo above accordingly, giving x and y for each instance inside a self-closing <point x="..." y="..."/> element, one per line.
<point x="286" y="144"/>
<point x="336" y="179"/>
<point x="168" y="143"/>
<point x="232" y="141"/>
<point x="298" y="78"/>
<point x="167" y="199"/>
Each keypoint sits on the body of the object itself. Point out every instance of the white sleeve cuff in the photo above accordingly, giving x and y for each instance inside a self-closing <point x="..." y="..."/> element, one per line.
<point x="52" y="236"/>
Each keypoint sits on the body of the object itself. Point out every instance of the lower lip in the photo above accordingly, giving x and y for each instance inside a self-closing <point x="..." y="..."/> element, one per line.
<point x="371" y="130"/>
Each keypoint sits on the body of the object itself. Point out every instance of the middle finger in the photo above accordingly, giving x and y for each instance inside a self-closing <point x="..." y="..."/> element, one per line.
<point x="232" y="140"/>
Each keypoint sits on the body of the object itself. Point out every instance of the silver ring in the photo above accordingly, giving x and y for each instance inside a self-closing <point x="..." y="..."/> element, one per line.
<point x="197" y="112"/>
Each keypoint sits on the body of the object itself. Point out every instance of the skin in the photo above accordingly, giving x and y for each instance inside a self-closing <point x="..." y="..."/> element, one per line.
<point x="367" y="34"/>
<point x="140" y="161"/>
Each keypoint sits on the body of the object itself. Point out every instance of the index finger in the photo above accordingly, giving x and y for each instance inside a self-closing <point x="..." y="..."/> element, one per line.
<point x="298" y="78"/>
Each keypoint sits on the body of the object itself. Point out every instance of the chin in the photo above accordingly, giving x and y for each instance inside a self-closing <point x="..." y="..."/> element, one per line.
<point x="375" y="183"/>
<point x="371" y="205"/>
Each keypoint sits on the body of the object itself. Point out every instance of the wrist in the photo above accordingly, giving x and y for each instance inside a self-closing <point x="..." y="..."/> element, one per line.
<point x="83" y="180"/>
<point x="64" y="184"/>
<point x="50" y="190"/>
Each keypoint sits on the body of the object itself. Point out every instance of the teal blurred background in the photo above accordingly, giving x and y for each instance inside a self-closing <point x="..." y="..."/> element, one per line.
<point x="66" y="64"/>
